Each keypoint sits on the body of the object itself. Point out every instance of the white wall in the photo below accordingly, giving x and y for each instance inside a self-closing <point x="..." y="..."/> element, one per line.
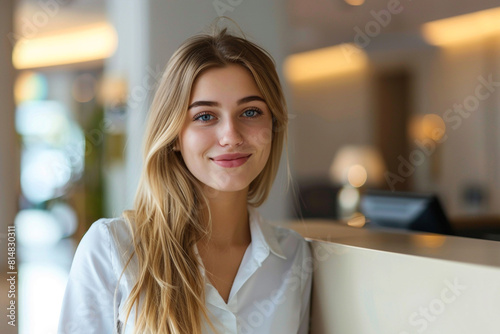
<point x="326" y="116"/>
<point x="472" y="151"/>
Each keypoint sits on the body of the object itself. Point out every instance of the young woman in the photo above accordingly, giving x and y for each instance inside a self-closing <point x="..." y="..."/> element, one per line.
<point x="194" y="256"/>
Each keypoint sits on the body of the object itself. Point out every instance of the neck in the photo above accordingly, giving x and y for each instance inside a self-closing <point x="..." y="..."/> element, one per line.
<point x="230" y="221"/>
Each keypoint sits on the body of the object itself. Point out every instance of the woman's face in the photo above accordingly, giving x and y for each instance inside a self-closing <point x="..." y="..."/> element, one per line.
<point x="227" y="115"/>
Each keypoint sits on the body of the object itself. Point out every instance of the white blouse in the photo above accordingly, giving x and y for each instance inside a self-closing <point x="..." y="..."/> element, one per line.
<point x="270" y="293"/>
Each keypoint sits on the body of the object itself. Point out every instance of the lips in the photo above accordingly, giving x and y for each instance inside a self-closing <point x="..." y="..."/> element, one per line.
<point x="231" y="160"/>
<point x="227" y="157"/>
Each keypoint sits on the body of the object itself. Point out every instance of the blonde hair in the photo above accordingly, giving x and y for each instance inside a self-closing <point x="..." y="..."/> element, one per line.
<point x="168" y="219"/>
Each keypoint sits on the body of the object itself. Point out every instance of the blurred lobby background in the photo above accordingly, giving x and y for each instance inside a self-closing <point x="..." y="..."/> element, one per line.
<point x="382" y="94"/>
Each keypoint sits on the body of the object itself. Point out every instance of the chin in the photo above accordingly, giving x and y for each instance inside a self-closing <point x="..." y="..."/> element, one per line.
<point x="231" y="187"/>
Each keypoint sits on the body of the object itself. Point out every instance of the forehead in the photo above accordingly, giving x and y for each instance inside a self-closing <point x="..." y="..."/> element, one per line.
<point x="224" y="82"/>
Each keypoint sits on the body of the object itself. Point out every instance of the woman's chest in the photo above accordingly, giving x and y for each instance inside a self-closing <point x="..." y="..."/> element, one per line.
<point x="221" y="268"/>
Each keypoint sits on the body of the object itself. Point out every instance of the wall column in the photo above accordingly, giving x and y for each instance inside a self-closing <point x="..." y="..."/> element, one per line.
<point x="9" y="146"/>
<point x="9" y="159"/>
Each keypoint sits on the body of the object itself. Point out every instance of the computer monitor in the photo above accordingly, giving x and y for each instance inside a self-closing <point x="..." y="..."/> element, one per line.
<point x="411" y="211"/>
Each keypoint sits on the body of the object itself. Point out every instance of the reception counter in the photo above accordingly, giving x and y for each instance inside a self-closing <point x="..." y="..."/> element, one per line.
<point x="397" y="282"/>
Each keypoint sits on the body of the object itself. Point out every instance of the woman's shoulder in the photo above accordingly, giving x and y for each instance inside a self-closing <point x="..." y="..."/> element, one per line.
<point x="108" y="240"/>
<point x="282" y="233"/>
<point x="118" y="228"/>
<point x="108" y="230"/>
<point x="291" y="243"/>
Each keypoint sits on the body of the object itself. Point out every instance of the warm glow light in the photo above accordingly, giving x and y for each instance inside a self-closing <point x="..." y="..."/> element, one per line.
<point x="429" y="126"/>
<point x="85" y="44"/>
<point x="357" y="220"/>
<point x="428" y="240"/>
<point x="355" y="2"/>
<point x="30" y="86"/>
<point x="434" y="126"/>
<point x="113" y="91"/>
<point x="463" y="28"/>
<point x="324" y="63"/>
<point x="357" y="165"/>
<point x="357" y="176"/>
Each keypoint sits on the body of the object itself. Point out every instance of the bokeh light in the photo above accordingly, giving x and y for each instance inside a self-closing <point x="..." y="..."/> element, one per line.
<point x="357" y="220"/>
<point x="357" y="176"/>
<point x="348" y="198"/>
<point x="429" y="126"/>
<point x="30" y="86"/>
<point x="44" y="172"/>
<point x="37" y="228"/>
<point x="41" y="291"/>
<point x="355" y="2"/>
<point x="41" y="118"/>
<point x="66" y="218"/>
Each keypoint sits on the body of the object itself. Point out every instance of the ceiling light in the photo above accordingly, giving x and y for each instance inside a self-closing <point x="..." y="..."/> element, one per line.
<point x="83" y="44"/>
<point x="463" y="28"/>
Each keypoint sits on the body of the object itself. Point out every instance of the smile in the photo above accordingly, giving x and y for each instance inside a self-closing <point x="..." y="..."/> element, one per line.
<point x="232" y="163"/>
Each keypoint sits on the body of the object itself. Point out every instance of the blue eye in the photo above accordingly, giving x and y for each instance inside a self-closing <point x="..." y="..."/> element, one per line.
<point x="253" y="113"/>
<point x="203" y="117"/>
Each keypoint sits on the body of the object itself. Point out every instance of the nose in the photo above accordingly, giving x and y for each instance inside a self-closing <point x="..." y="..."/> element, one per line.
<point x="230" y="133"/>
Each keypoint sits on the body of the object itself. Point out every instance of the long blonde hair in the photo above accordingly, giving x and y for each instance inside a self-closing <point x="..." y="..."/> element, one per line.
<point x="168" y="219"/>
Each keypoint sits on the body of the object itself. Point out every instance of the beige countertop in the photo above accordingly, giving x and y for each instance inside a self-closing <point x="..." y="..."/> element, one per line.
<point x="460" y="249"/>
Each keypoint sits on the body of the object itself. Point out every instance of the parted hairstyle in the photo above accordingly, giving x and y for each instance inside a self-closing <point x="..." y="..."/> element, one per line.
<point x="168" y="219"/>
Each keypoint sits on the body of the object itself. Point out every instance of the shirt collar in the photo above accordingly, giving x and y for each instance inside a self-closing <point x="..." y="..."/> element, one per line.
<point x="264" y="237"/>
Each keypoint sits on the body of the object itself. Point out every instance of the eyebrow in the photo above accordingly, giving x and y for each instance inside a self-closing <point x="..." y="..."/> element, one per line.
<point x="216" y="104"/>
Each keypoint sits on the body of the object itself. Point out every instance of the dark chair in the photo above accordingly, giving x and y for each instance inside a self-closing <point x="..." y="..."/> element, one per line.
<point x="316" y="199"/>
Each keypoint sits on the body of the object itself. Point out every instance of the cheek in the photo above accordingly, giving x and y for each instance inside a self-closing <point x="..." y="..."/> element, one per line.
<point x="194" y="141"/>
<point x="263" y="136"/>
<point x="190" y="147"/>
<point x="262" y="139"/>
